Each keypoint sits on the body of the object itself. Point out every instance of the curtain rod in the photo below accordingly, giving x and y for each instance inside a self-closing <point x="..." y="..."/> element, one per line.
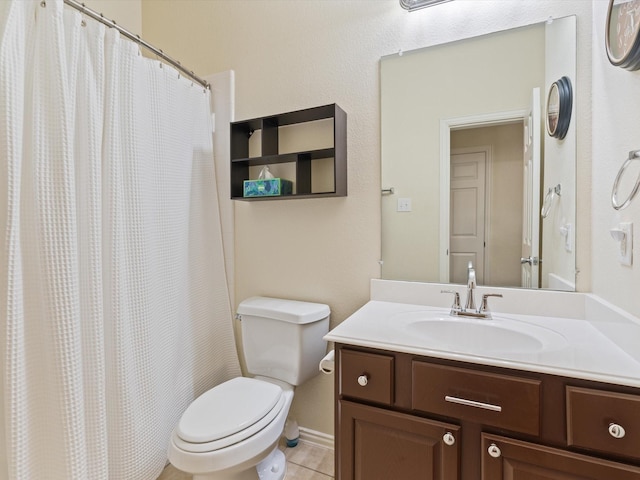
<point x="136" y="38"/>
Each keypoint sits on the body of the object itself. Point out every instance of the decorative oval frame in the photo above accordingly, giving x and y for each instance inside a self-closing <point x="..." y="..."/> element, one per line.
<point x="558" y="119"/>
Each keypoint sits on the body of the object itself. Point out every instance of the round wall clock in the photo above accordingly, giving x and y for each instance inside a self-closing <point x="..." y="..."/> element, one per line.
<point x="559" y="104"/>
<point x="622" y="37"/>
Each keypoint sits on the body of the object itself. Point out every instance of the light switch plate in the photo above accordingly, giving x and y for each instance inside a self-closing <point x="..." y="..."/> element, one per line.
<point x="404" y="205"/>
<point x="567" y="232"/>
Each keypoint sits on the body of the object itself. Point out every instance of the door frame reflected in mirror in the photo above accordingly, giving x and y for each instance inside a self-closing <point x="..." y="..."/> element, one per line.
<point x="446" y="126"/>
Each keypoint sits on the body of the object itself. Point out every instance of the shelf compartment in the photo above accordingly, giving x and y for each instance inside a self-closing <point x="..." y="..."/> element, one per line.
<point x="285" y="157"/>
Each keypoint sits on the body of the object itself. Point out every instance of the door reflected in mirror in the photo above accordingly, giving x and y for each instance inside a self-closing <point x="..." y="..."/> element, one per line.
<point x="463" y="140"/>
<point x="486" y="157"/>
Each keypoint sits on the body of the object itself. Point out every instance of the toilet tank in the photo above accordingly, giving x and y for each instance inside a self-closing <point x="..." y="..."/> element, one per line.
<point x="282" y="339"/>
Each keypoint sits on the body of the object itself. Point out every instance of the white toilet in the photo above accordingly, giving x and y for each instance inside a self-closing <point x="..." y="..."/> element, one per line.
<point x="231" y="432"/>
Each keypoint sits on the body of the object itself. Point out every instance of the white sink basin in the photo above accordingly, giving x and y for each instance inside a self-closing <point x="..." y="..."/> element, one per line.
<point x="599" y="344"/>
<point x="488" y="336"/>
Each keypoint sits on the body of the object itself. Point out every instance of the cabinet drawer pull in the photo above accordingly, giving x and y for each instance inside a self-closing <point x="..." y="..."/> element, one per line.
<point x="363" y="380"/>
<point x="473" y="403"/>
<point x="448" y="438"/>
<point x="616" y="431"/>
<point x="494" y="451"/>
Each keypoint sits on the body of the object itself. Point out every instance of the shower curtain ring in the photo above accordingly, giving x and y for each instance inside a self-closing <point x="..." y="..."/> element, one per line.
<point x="43" y="3"/>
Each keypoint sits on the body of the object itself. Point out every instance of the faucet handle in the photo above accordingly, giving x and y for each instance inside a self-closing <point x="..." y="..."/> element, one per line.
<point x="456" y="299"/>
<point x="484" y="306"/>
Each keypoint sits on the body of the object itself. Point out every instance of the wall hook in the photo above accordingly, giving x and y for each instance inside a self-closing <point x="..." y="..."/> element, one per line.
<point x="552" y="193"/>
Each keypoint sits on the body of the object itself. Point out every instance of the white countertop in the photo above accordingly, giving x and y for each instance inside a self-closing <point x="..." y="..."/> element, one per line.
<point x="603" y="346"/>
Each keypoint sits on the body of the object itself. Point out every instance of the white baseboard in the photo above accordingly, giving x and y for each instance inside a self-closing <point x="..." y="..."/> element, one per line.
<point x="317" y="438"/>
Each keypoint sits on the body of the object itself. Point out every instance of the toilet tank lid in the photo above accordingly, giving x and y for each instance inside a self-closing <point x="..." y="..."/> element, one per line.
<point x="292" y="311"/>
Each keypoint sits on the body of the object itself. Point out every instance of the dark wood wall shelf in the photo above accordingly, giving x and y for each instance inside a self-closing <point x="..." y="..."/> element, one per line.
<point x="270" y="154"/>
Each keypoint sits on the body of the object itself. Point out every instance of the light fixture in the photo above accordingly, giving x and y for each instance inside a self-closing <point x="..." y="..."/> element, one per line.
<point x="412" y="5"/>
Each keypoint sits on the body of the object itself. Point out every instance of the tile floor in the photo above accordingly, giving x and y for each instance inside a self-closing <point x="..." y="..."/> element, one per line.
<point x="304" y="462"/>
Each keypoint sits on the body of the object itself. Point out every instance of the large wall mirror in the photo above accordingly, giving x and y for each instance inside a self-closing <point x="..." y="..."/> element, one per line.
<point x="469" y="173"/>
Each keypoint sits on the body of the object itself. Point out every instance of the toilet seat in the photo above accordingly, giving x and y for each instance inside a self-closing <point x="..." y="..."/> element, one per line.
<point x="228" y="414"/>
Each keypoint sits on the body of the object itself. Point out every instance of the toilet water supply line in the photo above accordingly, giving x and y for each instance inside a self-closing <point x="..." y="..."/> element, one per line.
<point x="291" y="429"/>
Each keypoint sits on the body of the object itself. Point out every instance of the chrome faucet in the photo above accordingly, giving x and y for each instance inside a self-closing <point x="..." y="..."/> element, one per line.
<point x="469" y="309"/>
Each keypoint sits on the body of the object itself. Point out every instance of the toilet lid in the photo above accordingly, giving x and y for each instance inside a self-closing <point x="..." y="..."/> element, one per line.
<point x="227" y="409"/>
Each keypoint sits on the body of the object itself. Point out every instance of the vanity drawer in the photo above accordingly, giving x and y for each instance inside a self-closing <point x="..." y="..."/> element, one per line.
<point x="501" y="401"/>
<point x="366" y="376"/>
<point x="594" y="418"/>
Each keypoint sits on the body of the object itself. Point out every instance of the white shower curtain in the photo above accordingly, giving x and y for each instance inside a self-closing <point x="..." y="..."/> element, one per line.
<point x="115" y="311"/>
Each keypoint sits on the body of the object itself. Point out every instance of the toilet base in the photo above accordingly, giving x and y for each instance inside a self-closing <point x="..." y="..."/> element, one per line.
<point x="274" y="467"/>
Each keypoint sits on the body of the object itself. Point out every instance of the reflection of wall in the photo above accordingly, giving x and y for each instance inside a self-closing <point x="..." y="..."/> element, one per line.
<point x="556" y="258"/>
<point x="504" y="235"/>
<point x="494" y="73"/>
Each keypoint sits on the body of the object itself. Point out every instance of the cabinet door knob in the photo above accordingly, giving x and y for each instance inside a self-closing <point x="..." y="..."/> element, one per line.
<point x="448" y="438"/>
<point x="494" y="450"/>
<point x="363" y="380"/>
<point x="616" y="431"/>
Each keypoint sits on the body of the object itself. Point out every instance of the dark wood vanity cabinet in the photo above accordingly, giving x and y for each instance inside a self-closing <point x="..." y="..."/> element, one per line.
<point x="379" y="444"/>
<point x="407" y="417"/>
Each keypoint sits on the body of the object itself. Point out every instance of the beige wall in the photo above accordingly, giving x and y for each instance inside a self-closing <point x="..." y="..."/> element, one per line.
<point x="291" y="54"/>
<point x="126" y="13"/>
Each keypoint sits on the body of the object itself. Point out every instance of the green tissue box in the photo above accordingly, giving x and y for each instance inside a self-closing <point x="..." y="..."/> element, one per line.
<point x="268" y="187"/>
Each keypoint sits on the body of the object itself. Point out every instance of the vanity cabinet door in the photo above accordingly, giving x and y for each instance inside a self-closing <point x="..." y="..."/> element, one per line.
<point x="604" y="421"/>
<point x="507" y="459"/>
<point x="377" y="444"/>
